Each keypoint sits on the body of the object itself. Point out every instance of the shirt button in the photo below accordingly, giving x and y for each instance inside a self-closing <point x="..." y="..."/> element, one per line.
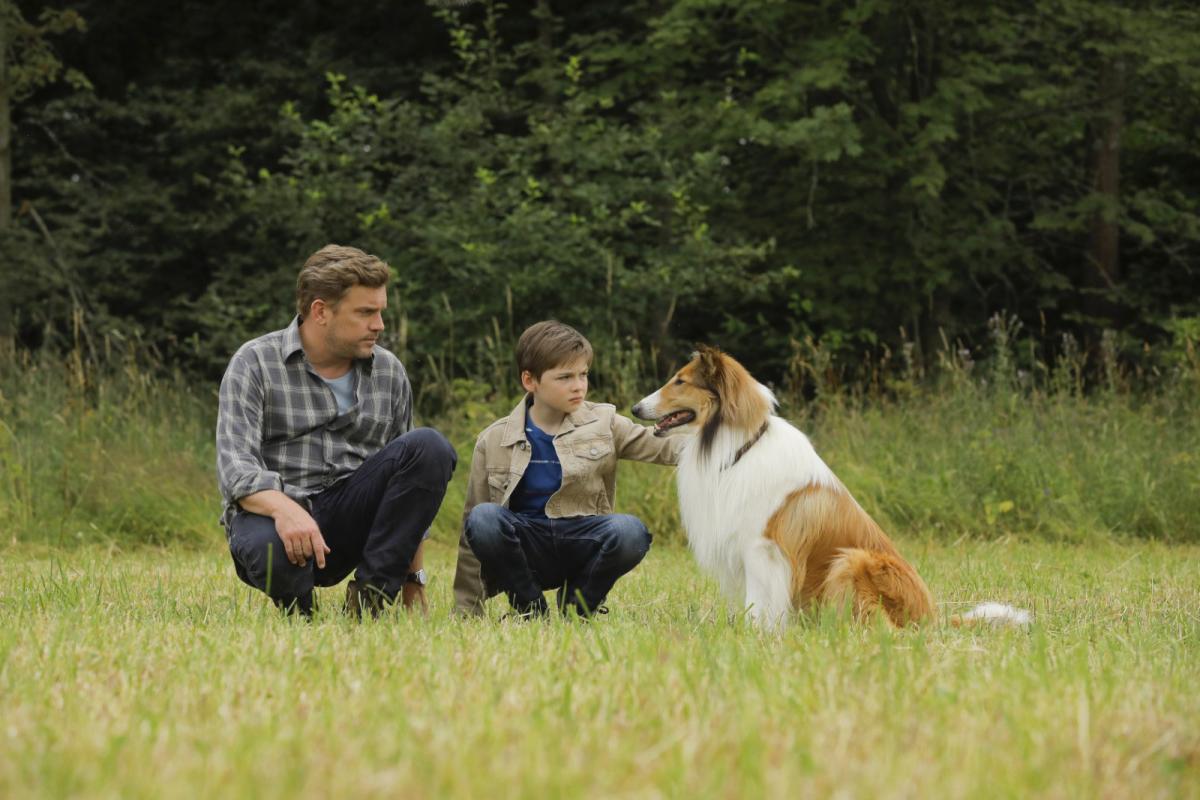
<point x="592" y="451"/>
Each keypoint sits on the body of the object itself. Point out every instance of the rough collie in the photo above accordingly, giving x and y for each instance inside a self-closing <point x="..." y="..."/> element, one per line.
<point x="763" y="512"/>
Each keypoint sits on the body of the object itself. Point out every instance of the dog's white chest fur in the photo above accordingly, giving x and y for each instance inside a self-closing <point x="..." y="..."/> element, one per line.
<point x="725" y="509"/>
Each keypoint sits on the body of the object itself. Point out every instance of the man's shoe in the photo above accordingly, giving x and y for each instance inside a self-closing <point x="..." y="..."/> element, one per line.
<point x="295" y="605"/>
<point x="364" y="597"/>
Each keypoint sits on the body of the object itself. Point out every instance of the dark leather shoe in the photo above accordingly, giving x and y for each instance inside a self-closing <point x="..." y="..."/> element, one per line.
<point x="362" y="597"/>
<point x="534" y="609"/>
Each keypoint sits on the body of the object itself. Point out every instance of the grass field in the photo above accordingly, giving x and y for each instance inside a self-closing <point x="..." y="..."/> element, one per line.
<point x="133" y="663"/>
<point x="154" y="673"/>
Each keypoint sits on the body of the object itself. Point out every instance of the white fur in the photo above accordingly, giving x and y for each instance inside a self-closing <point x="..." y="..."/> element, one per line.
<point x="998" y="614"/>
<point x="724" y="515"/>
<point x="725" y="518"/>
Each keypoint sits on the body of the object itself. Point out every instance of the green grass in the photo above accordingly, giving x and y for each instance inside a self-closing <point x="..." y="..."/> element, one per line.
<point x="124" y="455"/>
<point x="156" y="674"/>
<point x="133" y="663"/>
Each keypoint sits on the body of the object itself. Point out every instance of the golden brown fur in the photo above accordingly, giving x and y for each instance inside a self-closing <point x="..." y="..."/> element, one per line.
<point x="836" y="552"/>
<point x="839" y="555"/>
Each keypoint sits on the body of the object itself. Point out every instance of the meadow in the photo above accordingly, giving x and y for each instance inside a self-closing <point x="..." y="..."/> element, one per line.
<point x="154" y="674"/>
<point x="134" y="664"/>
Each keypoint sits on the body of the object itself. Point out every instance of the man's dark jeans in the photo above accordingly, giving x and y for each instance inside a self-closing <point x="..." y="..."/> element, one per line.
<point x="581" y="556"/>
<point x="373" y="520"/>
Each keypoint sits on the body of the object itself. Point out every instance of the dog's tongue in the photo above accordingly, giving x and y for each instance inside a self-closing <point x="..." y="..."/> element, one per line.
<point x="666" y="421"/>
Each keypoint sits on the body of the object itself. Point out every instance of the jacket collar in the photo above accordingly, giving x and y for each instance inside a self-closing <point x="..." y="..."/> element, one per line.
<point x="514" y="427"/>
<point x="290" y="344"/>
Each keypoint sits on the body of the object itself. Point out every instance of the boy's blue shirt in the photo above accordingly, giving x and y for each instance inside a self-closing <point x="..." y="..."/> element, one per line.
<point x="542" y="477"/>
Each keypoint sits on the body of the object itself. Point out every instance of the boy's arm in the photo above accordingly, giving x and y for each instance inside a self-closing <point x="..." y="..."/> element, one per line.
<point x="638" y="443"/>
<point x="469" y="592"/>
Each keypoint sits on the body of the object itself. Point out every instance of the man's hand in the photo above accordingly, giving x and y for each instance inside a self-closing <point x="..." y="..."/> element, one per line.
<point x="301" y="537"/>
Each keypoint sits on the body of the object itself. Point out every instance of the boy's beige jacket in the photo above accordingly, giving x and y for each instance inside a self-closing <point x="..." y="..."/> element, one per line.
<point x="588" y="445"/>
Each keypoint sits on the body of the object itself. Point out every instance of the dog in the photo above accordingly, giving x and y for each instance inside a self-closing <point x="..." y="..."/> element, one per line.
<point x="764" y="514"/>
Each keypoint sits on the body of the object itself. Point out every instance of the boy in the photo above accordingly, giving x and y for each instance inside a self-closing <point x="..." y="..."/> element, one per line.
<point x="539" y="502"/>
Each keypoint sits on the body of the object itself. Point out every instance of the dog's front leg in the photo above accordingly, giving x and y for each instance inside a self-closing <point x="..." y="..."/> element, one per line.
<point x="768" y="585"/>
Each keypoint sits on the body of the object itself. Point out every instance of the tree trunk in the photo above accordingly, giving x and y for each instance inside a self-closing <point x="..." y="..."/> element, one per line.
<point x="5" y="126"/>
<point x="6" y="320"/>
<point x="1104" y="253"/>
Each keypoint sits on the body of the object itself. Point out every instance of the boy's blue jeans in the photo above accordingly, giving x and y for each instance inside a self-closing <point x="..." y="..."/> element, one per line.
<point x="582" y="557"/>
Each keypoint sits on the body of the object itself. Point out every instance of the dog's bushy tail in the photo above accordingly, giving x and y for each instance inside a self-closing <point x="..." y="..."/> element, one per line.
<point x="870" y="582"/>
<point x="993" y="614"/>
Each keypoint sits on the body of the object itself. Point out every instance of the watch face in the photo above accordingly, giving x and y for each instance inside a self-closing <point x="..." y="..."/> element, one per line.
<point x="417" y="577"/>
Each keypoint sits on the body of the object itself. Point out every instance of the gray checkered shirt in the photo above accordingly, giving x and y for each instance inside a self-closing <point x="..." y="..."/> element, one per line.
<point x="278" y="425"/>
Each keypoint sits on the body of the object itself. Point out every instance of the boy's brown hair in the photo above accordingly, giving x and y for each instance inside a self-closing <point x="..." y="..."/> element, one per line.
<point x="549" y="344"/>
<point x="332" y="271"/>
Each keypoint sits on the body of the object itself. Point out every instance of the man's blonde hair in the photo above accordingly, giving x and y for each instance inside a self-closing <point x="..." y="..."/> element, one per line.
<point x="332" y="271"/>
<point x="549" y="344"/>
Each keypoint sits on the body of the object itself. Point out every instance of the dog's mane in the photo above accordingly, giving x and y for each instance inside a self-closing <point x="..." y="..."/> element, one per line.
<point x="744" y="405"/>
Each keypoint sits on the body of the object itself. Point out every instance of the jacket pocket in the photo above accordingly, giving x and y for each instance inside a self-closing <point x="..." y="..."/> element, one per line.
<point x="497" y="486"/>
<point x="595" y="449"/>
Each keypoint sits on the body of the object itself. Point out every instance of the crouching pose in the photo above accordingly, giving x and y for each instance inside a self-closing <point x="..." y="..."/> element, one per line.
<point x="319" y="466"/>
<point x="539" y="511"/>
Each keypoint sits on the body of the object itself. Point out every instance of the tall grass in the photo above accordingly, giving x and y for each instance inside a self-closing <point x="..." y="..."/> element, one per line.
<point x="118" y="451"/>
<point x="1003" y="440"/>
<point x="158" y="674"/>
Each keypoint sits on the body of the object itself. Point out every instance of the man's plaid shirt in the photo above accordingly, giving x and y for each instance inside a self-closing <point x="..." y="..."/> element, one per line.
<point x="278" y="425"/>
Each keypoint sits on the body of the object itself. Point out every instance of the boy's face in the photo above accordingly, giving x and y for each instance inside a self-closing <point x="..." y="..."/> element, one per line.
<point x="562" y="388"/>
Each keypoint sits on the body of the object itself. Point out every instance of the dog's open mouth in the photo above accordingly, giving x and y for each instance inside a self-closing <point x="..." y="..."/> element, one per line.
<point x="673" y="420"/>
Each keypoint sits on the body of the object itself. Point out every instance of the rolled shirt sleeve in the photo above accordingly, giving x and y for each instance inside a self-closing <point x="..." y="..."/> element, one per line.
<point x="240" y="467"/>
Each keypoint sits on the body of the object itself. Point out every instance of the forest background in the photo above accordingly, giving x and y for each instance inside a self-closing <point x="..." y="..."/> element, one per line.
<point x="962" y="243"/>
<point x="878" y="177"/>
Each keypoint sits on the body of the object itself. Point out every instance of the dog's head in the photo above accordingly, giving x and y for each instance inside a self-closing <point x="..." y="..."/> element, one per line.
<point x="710" y="391"/>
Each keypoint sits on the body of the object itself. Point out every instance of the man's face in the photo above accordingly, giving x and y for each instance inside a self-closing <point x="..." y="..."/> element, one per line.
<point x="355" y="323"/>
<point x="562" y="388"/>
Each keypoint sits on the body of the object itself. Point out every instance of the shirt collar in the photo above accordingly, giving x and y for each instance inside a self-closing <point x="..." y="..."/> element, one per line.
<point x="290" y="344"/>
<point x="514" y="428"/>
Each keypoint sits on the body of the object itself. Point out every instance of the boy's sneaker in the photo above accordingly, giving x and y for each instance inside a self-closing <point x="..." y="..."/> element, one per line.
<point x="364" y="597"/>
<point x="575" y="603"/>
<point x="582" y="613"/>
<point x="521" y="612"/>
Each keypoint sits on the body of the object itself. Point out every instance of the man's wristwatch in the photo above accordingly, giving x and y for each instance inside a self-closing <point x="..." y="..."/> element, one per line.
<point x="417" y="577"/>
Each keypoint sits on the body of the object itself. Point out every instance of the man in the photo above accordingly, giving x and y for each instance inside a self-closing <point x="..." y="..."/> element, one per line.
<point x="318" y="466"/>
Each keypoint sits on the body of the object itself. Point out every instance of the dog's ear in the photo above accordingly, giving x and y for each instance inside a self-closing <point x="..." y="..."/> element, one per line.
<point x="709" y="360"/>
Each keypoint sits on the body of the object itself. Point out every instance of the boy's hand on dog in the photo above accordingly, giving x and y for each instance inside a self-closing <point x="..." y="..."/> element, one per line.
<point x="301" y="536"/>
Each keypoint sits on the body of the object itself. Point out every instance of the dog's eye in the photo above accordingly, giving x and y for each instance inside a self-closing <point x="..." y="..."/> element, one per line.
<point x="680" y="381"/>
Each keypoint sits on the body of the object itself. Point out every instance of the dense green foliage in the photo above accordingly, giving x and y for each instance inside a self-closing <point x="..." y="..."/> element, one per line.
<point x="748" y="172"/>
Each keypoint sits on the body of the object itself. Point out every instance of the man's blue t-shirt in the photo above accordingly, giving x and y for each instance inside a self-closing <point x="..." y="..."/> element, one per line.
<point x="542" y="477"/>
